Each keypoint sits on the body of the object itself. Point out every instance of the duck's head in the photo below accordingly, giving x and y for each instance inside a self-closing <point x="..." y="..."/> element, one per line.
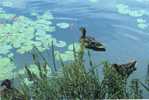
<point x="83" y="31"/>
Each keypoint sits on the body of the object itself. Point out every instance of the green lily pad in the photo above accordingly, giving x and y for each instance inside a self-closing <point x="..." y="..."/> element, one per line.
<point x="75" y="46"/>
<point x="142" y="26"/>
<point x="124" y="9"/>
<point x="7" y="67"/>
<point x="63" y="25"/>
<point x="60" y="44"/>
<point x="140" y="20"/>
<point x="5" y="49"/>
<point x="66" y="56"/>
<point x="7" y="3"/>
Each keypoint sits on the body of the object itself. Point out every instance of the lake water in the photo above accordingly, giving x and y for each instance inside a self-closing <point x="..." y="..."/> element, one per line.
<point x="121" y="25"/>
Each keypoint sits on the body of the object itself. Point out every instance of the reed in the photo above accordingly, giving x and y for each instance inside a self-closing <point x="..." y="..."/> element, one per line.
<point x="73" y="80"/>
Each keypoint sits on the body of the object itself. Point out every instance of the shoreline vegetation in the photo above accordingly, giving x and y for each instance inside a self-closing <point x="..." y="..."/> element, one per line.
<point x="74" y="80"/>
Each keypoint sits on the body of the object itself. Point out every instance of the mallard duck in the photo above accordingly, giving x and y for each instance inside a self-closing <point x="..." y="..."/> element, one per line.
<point x="125" y="69"/>
<point x="90" y="42"/>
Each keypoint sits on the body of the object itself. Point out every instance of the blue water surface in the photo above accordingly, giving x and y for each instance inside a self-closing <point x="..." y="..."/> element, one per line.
<point x="119" y="32"/>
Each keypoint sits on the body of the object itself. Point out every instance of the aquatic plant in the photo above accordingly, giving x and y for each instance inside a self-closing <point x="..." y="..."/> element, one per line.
<point x="7" y="68"/>
<point x="20" y="34"/>
<point x="63" y="25"/>
<point x="23" y="33"/>
<point x="73" y="80"/>
<point x="7" y="3"/>
<point x="124" y="9"/>
<point x="142" y="24"/>
<point x="67" y="54"/>
<point x="137" y="13"/>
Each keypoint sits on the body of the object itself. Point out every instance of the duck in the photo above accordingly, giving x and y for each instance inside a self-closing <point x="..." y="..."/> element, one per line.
<point x="90" y="42"/>
<point x="125" y="69"/>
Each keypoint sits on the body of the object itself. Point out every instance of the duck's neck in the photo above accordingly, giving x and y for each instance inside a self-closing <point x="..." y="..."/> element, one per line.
<point x="83" y="34"/>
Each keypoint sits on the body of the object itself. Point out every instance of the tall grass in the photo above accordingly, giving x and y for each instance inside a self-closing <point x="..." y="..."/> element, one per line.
<point x="73" y="80"/>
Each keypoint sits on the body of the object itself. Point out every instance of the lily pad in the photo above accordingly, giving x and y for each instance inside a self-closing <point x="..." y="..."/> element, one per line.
<point x="5" y="49"/>
<point x="60" y="44"/>
<point x="75" y="46"/>
<point x="7" y="3"/>
<point x="63" y="25"/>
<point x="7" y="67"/>
<point x="124" y="9"/>
<point x="140" y="20"/>
<point x="142" y="26"/>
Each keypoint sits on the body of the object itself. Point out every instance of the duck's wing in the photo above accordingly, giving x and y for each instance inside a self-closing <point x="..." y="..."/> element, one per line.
<point x="91" y="39"/>
<point x="91" y="43"/>
<point x="99" y="44"/>
<point x="95" y="46"/>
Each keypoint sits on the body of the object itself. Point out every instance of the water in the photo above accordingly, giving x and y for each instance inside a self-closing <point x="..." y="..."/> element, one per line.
<point x="118" y="30"/>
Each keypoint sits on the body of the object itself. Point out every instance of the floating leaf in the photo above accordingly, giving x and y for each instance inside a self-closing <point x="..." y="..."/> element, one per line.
<point x="140" y="20"/>
<point x="124" y="9"/>
<point x="5" y="49"/>
<point x="7" y="67"/>
<point x="60" y="44"/>
<point x="75" y="46"/>
<point x="7" y="3"/>
<point x="10" y="55"/>
<point x="142" y="26"/>
<point x="63" y="25"/>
